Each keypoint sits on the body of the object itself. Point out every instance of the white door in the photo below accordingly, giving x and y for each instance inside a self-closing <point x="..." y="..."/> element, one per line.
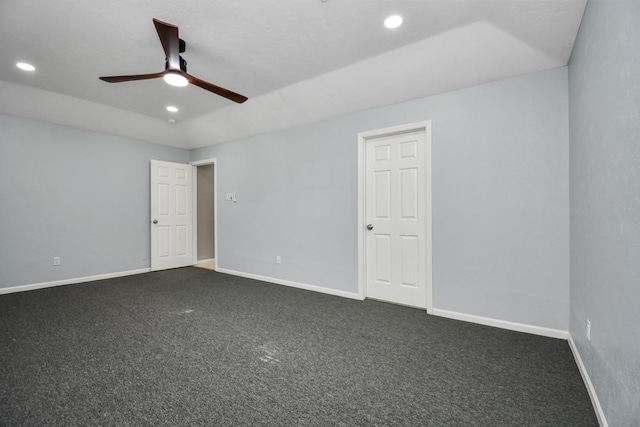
<point x="171" y="215"/>
<point x="395" y="215"/>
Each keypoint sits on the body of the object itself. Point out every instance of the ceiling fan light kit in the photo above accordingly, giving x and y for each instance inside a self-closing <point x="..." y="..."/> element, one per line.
<point x="175" y="72"/>
<point x="175" y="78"/>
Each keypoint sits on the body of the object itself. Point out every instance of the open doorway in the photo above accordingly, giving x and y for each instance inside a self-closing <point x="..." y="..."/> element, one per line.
<point x="205" y="209"/>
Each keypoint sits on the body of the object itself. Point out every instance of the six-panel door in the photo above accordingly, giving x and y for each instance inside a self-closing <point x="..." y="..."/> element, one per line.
<point x="171" y="215"/>
<point x="395" y="210"/>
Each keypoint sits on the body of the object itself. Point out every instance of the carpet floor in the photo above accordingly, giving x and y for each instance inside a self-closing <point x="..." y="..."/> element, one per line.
<point x="196" y="347"/>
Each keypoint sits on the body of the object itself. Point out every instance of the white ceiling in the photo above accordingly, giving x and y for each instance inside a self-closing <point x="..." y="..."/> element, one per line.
<point x="298" y="61"/>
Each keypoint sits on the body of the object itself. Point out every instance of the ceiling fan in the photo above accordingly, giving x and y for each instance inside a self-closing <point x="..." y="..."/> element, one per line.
<point x="175" y="70"/>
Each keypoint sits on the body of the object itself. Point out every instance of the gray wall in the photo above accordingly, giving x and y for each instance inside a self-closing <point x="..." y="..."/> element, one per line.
<point x="206" y="230"/>
<point x="500" y="199"/>
<point x="604" y="96"/>
<point x="79" y="195"/>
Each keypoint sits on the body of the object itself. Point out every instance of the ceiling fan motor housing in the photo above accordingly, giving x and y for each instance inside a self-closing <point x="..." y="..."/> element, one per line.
<point x="183" y="65"/>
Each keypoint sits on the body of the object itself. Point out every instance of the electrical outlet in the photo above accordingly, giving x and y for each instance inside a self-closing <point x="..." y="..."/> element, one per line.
<point x="588" y="330"/>
<point x="278" y="260"/>
<point x="56" y="260"/>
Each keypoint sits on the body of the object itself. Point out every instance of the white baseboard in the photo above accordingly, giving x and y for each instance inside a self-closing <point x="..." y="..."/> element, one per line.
<point x="336" y="292"/>
<point x="512" y="326"/>
<point x="202" y="261"/>
<point x="587" y="382"/>
<point x="31" y="287"/>
<point x="520" y="327"/>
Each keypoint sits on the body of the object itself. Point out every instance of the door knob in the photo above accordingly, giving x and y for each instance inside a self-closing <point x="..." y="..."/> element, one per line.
<point x="155" y="221"/>
<point x="369" y="226"/>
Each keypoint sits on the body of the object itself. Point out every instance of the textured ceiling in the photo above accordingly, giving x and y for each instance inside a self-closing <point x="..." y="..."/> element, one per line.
<point x="298" y="61"/>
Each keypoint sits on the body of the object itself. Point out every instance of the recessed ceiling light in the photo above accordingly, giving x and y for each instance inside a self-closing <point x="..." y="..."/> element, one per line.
<point x="172" y="109"/>
<point x="26" y="67"/>
<point x="394" y="21"/>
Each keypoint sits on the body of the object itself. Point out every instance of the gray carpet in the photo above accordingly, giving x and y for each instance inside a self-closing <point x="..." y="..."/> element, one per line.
<point x="195" y="347"/>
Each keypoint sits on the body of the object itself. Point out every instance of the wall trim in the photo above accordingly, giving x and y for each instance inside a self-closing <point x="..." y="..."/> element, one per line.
<point x="201" y="261"/>
<point x="305" y="286"/>
<point x="22" y="288"/>
<point x="587" y="382"/>
<point x="503" y="324"/>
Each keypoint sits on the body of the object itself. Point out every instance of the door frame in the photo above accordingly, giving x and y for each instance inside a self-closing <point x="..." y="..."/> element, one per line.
<point x="363" y="137"/>
<point x="211" y="161"/>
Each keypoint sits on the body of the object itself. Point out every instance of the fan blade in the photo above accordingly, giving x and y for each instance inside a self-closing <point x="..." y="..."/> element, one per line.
<point x="168" y="34"/>
<point x="118" y="79"/>
<point x="236" y="97"/>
